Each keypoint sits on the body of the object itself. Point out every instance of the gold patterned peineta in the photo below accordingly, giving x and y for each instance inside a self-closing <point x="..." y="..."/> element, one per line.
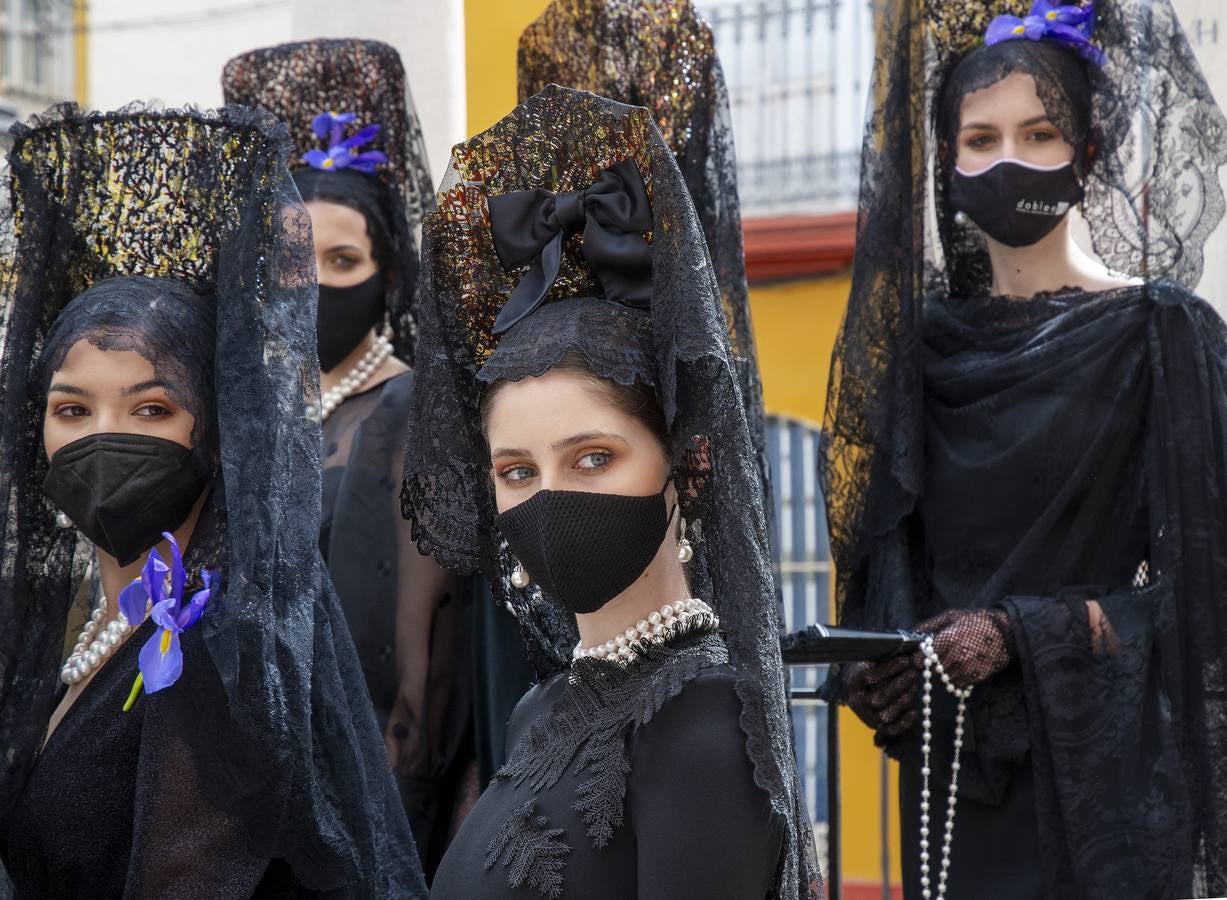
<point x="956" y="26"/>
<point x="153" y="193"/>
<point x="654" y="53"/>
<point x="297" y="81"/>
<point x="560" y="140"/>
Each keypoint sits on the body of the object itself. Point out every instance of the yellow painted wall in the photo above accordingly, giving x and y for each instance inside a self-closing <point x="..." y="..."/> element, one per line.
<point x="795" y="325"/>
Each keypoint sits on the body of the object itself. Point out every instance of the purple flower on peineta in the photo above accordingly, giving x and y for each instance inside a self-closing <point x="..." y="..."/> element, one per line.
<point x="343" y="153"/>
<point x="1068" y="24"/>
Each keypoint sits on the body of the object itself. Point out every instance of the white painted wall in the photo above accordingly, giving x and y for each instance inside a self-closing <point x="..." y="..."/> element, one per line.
<point x="173" y="50"/>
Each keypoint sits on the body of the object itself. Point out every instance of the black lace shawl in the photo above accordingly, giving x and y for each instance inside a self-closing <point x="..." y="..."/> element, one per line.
<point x="661" y="54"/>
<point x="298" y="81"/>
<point x="271" y="705"/>
<point x="560" y="139"/>
<point x="1152" y="198"/>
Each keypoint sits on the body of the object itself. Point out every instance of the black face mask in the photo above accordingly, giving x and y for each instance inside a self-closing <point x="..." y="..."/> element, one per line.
<point x="346" y="315"/>
<point x="583" y="549"/>
<point x="123" y="490"/>
<point x="1015" y="203"/>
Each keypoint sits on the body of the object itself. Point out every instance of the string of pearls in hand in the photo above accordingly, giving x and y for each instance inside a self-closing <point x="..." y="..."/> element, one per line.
<point x="356" y="377"/>
<point x="95" y="643"/>
<point x="656" y="628"/>
<point x="931" y="663"/>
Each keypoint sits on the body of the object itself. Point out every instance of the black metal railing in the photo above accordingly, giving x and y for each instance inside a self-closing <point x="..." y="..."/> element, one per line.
<point x="798" y="73"/>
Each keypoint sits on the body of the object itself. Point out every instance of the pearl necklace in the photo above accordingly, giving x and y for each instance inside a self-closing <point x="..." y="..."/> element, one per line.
<point x="656" y="628"/>
<point x="931" y="663"/>
<point x="91" y="651"/>
<point x="356" y="377"/>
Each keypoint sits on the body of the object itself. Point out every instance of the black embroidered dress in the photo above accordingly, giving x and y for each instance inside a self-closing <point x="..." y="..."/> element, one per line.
<point x="623" y="783"/>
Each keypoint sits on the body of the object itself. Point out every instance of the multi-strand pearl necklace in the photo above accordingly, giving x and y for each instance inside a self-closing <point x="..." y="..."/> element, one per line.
<point x="356" y="377"/>
<point x="94" y="647"/>
<point x="961" y="694"/>
<point x="656" y="628"/>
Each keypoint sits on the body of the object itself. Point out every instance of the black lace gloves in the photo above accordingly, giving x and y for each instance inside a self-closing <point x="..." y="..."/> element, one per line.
<point x="972" y="644"/>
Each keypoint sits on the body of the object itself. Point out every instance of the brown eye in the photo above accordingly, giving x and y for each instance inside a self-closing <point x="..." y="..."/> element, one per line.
<point x="71" y="411"/>
<point x="152" y="410"/>
<point x="980" y="142"/>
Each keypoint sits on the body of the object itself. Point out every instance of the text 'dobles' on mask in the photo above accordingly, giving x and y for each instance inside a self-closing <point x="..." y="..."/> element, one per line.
<point x="1014" y="202"/>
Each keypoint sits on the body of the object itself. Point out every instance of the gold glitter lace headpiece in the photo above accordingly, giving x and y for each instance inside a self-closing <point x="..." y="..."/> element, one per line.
<point x="654" y="53"/>
<point x="151" y="193"/>
<point x="298" y="81"/>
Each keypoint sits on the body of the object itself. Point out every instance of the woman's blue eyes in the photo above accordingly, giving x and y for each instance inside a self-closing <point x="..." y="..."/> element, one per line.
<point x="589" y="462"/>
<point x="595" y="460"/>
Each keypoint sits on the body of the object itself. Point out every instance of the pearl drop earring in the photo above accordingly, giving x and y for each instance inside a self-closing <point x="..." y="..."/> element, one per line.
<point x="960" y="218"/>
<point x="519" y="578"/>
<point x="685" y="552"/>
<point x="62" y="520"/>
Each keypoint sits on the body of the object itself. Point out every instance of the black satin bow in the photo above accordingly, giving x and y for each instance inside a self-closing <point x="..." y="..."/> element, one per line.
<point x="614" y="213"/>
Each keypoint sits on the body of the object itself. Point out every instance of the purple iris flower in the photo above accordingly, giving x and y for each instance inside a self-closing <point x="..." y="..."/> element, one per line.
<point x="161" y="659"/>
<point x="331" y="125"/>
<point x="1068" y="24"/>
<point x="343" y="153"/>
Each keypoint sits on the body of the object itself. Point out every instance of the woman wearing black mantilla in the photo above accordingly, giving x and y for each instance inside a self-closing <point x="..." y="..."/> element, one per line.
<point x="209" y="731"/>
<point x="1034" y="471"/>
<point x="362" y="172"/>
<point x="591" y="455"/>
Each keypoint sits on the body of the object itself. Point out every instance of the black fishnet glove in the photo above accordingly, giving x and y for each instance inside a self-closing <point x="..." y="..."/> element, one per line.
<point x="972" y="644"/>
<point x="883" y="694"/>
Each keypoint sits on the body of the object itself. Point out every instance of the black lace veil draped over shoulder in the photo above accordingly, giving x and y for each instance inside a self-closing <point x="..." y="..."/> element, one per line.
<point x="661" y="54"/>
<point x="297" y="81"/>
<point x="919" y="318"/>
<point x="269" y="722"/>
<point x="561" y="140"/>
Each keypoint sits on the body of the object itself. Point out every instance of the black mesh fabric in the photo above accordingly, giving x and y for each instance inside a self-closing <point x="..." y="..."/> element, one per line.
<point x="298" y="81"/>
<point x="661" y="54"/>
<point x="560" y="140"/>
<point x="1105" y="400"/>
<point x="270" y="706"/>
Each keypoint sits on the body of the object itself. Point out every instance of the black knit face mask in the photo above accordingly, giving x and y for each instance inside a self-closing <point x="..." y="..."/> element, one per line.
<point x="1016" y="203"/>
<point x="346" y="316"/>
<point x="123" y="490"/>
<point x="583" y="549"/>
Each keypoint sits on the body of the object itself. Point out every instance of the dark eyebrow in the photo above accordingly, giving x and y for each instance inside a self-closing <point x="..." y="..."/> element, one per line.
<point x="560" y="445"/>
<point x="143" y="386"/>
<point x="68" y="389"/>
<point x="986" y="126"/>
<point x="584" y="437"/>
<point x="337" y="247"/>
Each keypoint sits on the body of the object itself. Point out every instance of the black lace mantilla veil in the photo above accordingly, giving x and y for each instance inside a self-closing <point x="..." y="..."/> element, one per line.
<point x="1152" y="198"/>
<point x="297" y="81"/>
<point x="661" y="54"/>
<point x="561" y="140"/>
<point x="269" y="721"/>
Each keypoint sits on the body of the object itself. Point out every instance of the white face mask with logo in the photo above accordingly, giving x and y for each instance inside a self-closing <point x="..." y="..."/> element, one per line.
<point x="1014" y="202"/>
